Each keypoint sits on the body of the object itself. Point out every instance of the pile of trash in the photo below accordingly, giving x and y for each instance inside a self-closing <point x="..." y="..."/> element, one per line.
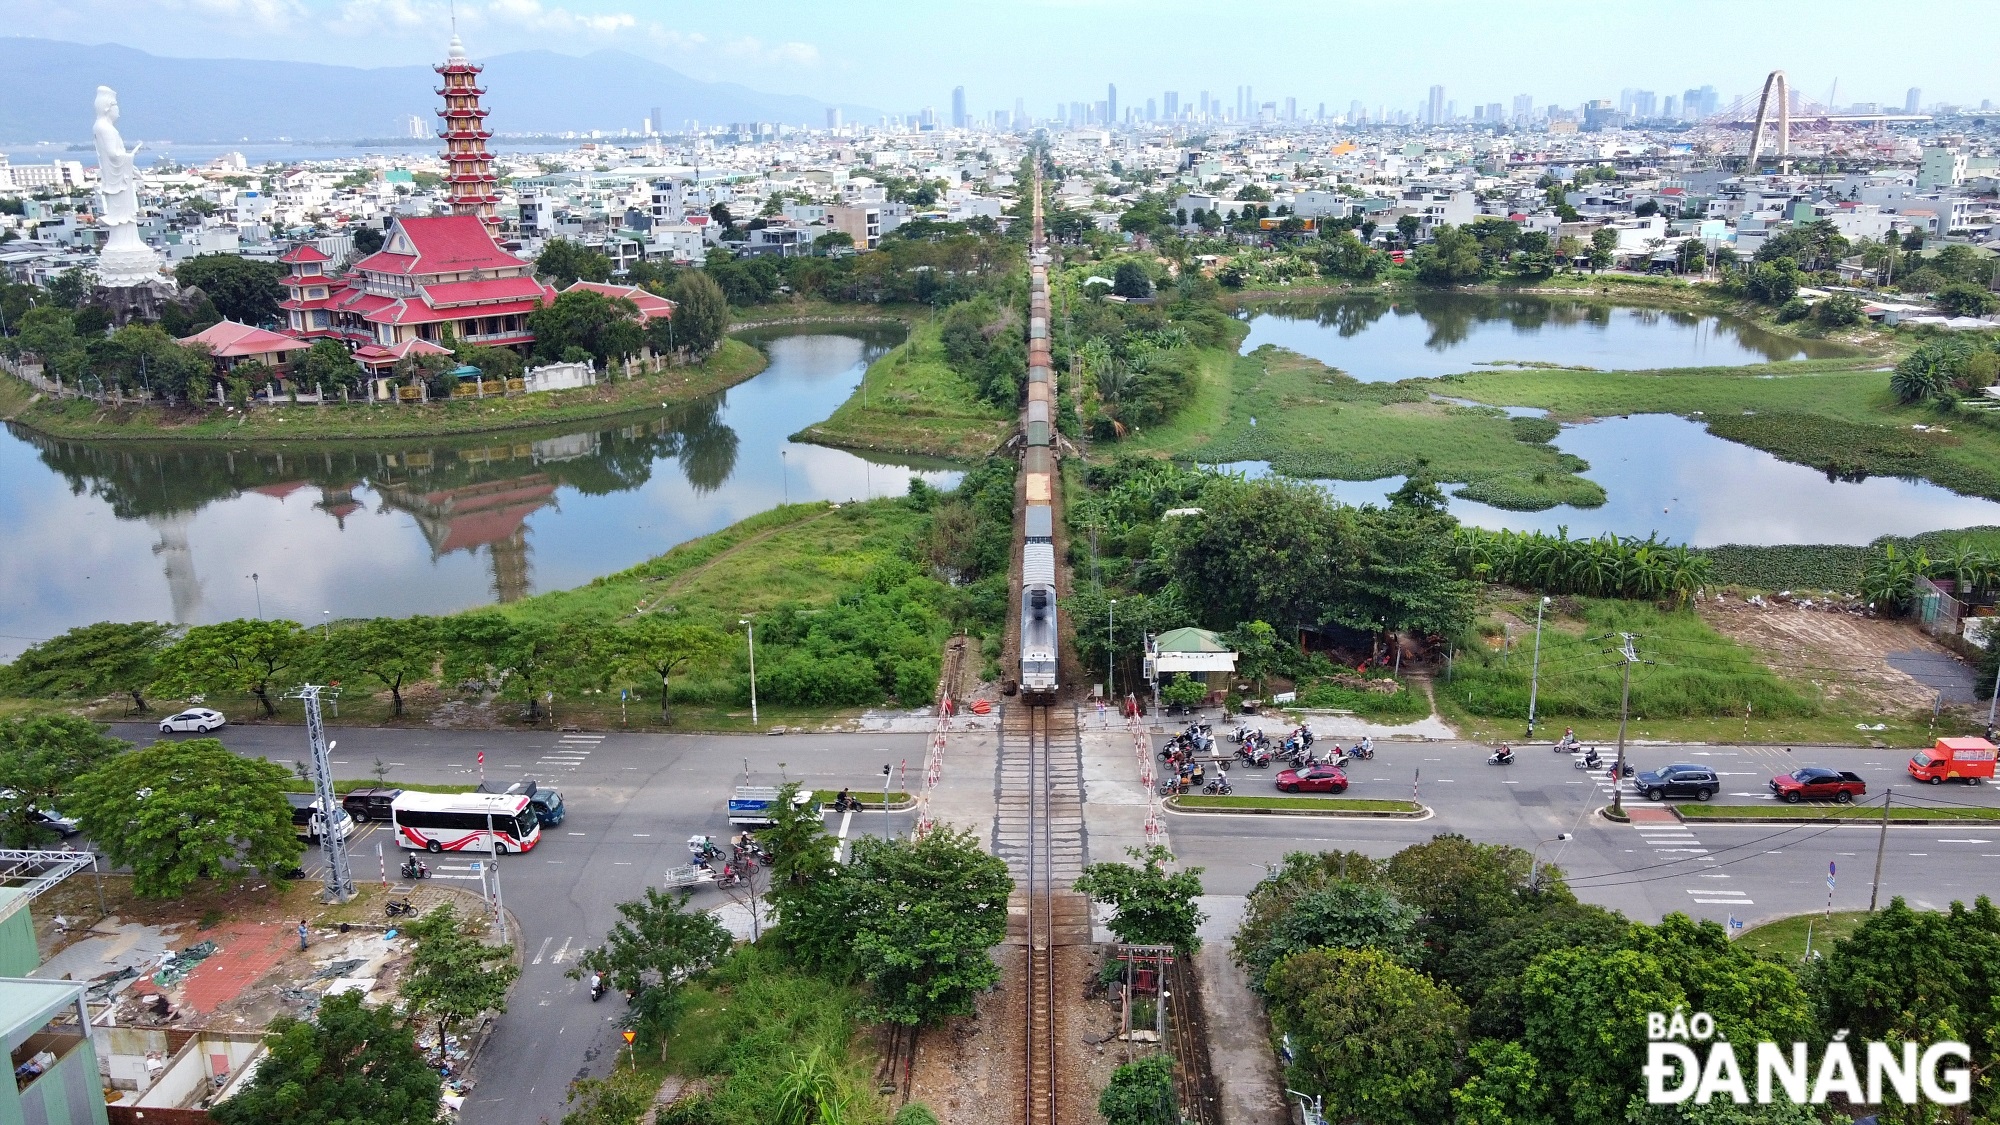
<point x="175" y="967"/>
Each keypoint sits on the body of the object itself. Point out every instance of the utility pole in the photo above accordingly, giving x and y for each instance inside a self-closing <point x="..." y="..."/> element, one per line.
<point x="750" y="641"/>
<point x="1535" y="669"/>
<point x="1881" y="842"/>
<point x="1110" y="652"/>
<point x="339" y="881"/>
<point x="1627" y="658"/>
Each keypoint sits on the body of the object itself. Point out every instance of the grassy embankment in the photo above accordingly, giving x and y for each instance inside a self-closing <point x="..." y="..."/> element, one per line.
<point x="912" y="401"/>
<point x="1785" y="938"/>
<point x="1693" y="687"/>
<point x="814" y="312"/>
<point x="803" y="554"/>
<point x="734" y="362"/>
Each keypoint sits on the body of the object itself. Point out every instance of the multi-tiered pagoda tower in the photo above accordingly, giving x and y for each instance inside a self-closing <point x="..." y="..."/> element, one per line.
<point x="469" y="180"/>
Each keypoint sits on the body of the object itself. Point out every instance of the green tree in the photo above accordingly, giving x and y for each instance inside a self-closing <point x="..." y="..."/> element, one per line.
<point x="1504" y="1088"/>
<point x="1257" y="655"/>
<point x="565" y="263"/>
<point x="179" y="812"/>
<point x="246" y="290"/>
<point x="453" y="976"/>
<point x="41" y="757"/>
<point x="326" y="364"/>
<point x="701" y="312"/>
<point x="659" y="645"/>
<point x="1838" y="311"/>
<point x="1380" y="1041"/>
<point x="924" y="915"/>
<point x="239" y="655"/>
<point x="1154" y="906"/>
<point x="1459" y="886"/>
<point x="1603" y="243"/>
<point x="392" y="651"/>
<point x="1131" y="280"/>
<point x="1450" y="258"/>
<point x="1965" y="299"/>
<point x="1337" y="916"/>
<point x="90" y="660"/>
<point x="1407" y="226"/>
<point x="606" y="327"/>
<point x="652" y="951"/>
<point x="521" y="659"/>
<point x="69" y="288"/>
<point x="1141" y="1093"/>
<point x="1929" y="370"/>
<point x="351" y="1065"/>
<point x="1183" y="691"/>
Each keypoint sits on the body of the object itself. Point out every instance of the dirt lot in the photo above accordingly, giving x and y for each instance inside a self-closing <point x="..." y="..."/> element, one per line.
<point x="254" y="971"/>
<point x="1847" y="653"/>
<point x="969" y="1071"/>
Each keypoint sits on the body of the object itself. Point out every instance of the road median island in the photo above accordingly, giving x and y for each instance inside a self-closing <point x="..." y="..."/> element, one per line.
<point x="1834" y="814"/>
<point x="868" y="801"/>
<point x="1298" y="806"/>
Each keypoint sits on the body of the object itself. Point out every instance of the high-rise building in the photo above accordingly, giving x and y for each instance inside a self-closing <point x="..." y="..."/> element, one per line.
<point x="1493" y="113"/>
<point x="1356" y="112"/>
<point x="1524" y="107"/>
<point x="1152" y="110"/>
<point x="1249" y="104"/>
<point x="833" y="117"/>
<point x="414" y="127"/>
<point x="958" y="118"/>
<point x="470" y="185"/>
<point x="1710" y="100"/>
<point x="653" y="122"/>
<point x="1110" y="104"/>
<point x="1170" y="102"/>
<point x="1020" y="113"/>
<point x="1691" y="103"/>
<point x="1670" y="108"/>
<point x="1479" y="113"/>
<point x="1434" y="110"/>
<point x="1913" y="99"/>
<point x="1291" y="109"/>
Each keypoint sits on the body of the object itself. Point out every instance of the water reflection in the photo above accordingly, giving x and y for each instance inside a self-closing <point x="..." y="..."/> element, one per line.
<point x="1382" y="337"/>
<point x="1666" y="474"/>
<point x="130" y="531"/>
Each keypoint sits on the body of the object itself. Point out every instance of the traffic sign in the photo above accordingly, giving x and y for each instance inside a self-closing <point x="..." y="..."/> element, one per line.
<point x="629" y="1036"/>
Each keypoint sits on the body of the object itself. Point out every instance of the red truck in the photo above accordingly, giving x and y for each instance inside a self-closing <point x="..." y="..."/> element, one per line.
<point x="1816" y="783"/>
<point x="1955" y="759"/>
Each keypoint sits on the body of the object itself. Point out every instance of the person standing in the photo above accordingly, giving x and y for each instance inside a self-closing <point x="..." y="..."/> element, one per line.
<point x="303" y="935"/>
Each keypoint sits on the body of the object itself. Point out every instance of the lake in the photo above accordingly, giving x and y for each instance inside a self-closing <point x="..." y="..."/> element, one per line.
<point x="164" y="532"/>
<point x="1384" y="337"/>
<point x="1663" y="473"/>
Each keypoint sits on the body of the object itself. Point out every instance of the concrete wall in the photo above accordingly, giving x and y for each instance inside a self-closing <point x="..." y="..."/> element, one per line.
<point x="67" y="1094"/>
<point x="18" y="954"/>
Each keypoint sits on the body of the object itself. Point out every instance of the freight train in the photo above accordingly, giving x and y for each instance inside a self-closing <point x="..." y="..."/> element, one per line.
<point x="1038" y="678"/>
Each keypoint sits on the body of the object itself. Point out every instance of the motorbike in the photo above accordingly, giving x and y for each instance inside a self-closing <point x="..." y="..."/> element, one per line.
<point x="1567" y="744"/>
<point x="1259" y="757"/>
<point x="1362" y="751"/>
<point x="1501" y="757"/>
<point x="1219" y="785"/>
<point x="1590" y="760"/>
<point x="596" y="987"/>
<point x="1612" y="772"/>
<point x="729" y="876"/>
<point x="845" y="803"/>
<point x="397" y="908"/>
<point x="413" y="868"/>
<point x="703" y="849"/>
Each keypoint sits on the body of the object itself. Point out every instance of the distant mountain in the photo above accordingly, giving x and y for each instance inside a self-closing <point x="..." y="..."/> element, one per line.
<point x="46" y="87"/>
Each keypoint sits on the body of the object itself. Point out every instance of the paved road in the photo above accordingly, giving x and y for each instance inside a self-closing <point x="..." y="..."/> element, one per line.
<point x="634" y="799"/>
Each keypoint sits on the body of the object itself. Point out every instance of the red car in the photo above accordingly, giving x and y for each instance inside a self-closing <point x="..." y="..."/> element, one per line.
<point x="1814" y="783"/>
<point x="1321" y="778"/>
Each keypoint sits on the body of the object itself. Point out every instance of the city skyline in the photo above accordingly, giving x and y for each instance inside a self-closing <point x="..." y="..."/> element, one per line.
<point x="901" y="57"/>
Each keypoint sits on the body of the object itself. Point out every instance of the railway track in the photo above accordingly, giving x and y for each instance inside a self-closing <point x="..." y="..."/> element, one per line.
<point x="1039" y="1078"/>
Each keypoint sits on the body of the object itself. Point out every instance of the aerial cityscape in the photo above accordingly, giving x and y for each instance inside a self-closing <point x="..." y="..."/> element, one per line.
<point x="605" y="565"/>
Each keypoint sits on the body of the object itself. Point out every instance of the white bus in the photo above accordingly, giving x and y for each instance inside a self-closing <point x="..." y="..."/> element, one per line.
<point x="458" y="822"/>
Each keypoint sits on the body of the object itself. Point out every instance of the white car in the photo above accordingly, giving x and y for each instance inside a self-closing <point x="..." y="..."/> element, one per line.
<point x="198" y="719"/>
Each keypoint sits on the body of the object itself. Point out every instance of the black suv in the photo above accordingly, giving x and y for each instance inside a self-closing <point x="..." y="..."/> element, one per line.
<point x="365" y="805"/>
<point x="1679" y="780"/>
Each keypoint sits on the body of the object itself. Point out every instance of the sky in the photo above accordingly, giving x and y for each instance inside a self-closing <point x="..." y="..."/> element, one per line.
<point x="903" y="55"/>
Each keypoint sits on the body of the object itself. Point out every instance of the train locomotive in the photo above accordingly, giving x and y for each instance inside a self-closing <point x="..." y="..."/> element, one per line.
<point x="1038" y="678"/>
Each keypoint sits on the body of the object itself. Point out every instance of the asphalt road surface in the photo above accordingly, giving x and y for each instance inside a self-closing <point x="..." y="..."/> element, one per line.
<point x="633" y="800"/>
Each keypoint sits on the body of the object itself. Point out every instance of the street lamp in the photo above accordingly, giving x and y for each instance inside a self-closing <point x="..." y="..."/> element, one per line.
<point x="259" y="589"/>
<point x="1534" y="862"/>
<point x="326" y="620"/>
<point x="784" y="472"/>
<point x="1535" y="672"/>
<point x="750" y="640"/>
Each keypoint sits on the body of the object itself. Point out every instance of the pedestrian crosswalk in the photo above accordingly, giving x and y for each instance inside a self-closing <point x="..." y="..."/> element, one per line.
<point x="570" y="751"/>
<point x="1672" y="841"/>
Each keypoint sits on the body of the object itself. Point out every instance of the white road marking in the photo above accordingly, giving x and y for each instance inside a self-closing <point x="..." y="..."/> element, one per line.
<point x="1965" y="841"/>
<point x="1726" y="901"/>
<point x="1714" y="891"/>
<point x="562" y="953"/>
<point x="543" y="950"/>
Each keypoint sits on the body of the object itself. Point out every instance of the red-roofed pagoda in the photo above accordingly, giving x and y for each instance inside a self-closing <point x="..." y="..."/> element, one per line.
<point x="470" y="182"/>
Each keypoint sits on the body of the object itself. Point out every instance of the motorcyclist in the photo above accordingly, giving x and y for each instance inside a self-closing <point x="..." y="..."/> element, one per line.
<point x="844" y="802"/>
<point x="1504" y="754"/>
<point x="1366" y="747"/>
